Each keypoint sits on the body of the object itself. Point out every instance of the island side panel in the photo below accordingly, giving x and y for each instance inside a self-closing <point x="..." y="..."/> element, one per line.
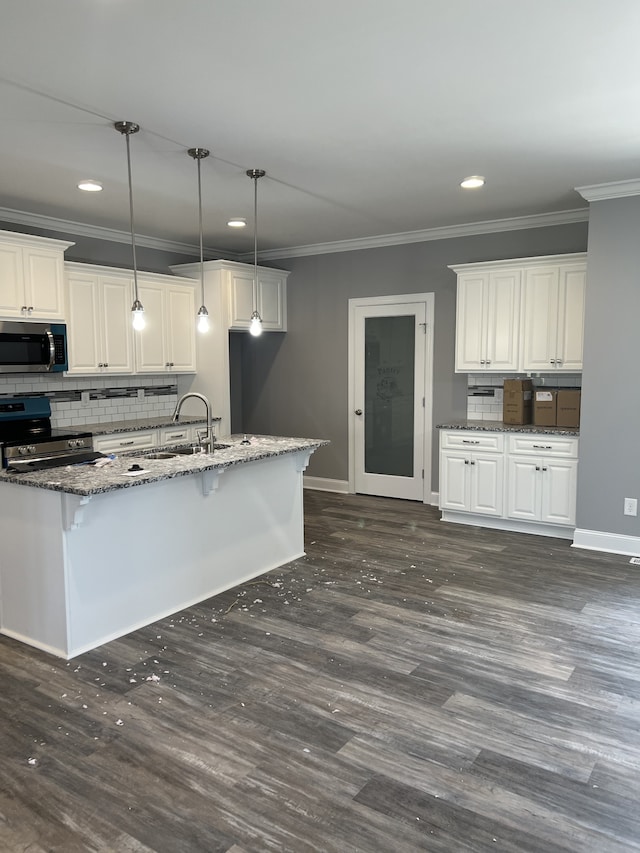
<point x="143" y="553"/>
<point x="32" y="568"/>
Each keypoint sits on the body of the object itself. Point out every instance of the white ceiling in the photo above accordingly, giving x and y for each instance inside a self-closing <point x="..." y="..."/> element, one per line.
<point x="365" y="114"/>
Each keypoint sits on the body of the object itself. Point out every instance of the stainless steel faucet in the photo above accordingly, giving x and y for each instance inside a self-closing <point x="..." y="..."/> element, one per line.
<point x="207" y="443"/>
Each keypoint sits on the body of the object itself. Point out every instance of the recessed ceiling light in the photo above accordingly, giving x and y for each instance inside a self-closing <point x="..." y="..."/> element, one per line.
<point x="90" y="186"/>
<point x="237" y="222"/>
<point x="472" y="182"/>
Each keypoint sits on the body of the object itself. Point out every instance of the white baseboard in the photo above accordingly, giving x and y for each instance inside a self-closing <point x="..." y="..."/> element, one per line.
<point x="325" y="484"/>
<point x="612" y="543"/>
<point x="558" y="531"/>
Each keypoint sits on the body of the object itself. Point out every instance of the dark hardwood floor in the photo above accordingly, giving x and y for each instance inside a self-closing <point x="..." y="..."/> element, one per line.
<point x="409" y="685"/>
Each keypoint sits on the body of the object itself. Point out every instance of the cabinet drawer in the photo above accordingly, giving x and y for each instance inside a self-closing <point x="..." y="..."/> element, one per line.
<point x="142" y="440"/>
<point x="543" y="445"/>
<point x="463" y="440"/>
<point x="177" y="435"/>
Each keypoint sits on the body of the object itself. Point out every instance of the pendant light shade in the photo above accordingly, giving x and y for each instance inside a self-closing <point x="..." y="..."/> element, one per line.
<point x="199" y="154"/>
<point x="127" y="128"/>
<point x="255" y="326"/>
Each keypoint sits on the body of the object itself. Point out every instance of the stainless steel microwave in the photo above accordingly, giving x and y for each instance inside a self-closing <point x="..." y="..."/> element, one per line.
<point x="33" y="347"/>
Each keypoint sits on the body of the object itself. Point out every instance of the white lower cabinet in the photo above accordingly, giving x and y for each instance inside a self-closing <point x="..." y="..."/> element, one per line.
<point x="537" y="494"/>
<point x="471" y="473"/>
<point x="125" y="441"/>
<point x="542" y="477"/>
<point x="149" y="438"/>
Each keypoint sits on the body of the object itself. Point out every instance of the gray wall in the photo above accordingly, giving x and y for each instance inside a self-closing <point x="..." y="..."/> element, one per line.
<point x="609" y="467"/>
<point x="296" y="384"/>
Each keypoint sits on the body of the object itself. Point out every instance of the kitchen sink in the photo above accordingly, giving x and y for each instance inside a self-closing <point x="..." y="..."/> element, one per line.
<point x="174" y="452"/>
<point x="160" y="455"/>
<point x="195" y="449"/>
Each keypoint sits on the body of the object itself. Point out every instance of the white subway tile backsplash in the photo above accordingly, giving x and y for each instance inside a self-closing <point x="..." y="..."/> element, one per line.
<point x="81" y="409"/>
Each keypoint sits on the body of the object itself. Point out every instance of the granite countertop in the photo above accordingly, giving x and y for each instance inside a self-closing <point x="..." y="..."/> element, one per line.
<point x="113" y="427"/>
<point x="499" y="426"/>
<point x="87" y="480"/>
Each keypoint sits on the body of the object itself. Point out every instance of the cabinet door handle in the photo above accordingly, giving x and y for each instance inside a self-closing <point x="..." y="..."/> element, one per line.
<point x="470" y="441"/>
<point x="543" y="446"/>
<point x="544" y="469"/>
<point x="466" y="461"/>
<point x="537" y="467"/>
<point x="472" y="462"/>
<point x="23" y="309"/>
<point x="358" y="411"/>
<point x="488" y="361"/>
<point x="482" y="361"/>
<point x="100" y="364"/>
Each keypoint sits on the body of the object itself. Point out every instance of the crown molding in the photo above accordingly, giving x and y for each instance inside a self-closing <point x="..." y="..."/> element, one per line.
<point x="111" y="235"/>
<point x="446" y="232"/>
<point x="614" y="189"/>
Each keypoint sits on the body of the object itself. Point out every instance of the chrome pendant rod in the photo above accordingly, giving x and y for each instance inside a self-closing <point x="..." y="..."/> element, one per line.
<point x="127" y="128"/>
<point x="255" y="174"/>
<point x="199" y="154"/>
<point x="255" y="317"/>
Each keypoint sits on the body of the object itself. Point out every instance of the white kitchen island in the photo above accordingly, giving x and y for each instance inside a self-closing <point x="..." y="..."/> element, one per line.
<point x="90" y="554"/>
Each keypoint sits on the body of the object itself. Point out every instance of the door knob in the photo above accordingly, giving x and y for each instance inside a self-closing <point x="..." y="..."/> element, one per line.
<point x="358" y="411"/>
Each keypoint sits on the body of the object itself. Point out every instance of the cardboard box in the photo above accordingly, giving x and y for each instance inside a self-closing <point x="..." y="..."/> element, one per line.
<point x="568" y="407"/>
<point x="516" y="401"/>
<point x="545" y="406"/>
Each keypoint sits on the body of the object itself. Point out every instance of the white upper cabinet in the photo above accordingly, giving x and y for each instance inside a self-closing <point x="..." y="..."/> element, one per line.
<point x="31" y="277"/>
<point x="554" y="298"/>
<point x="99" y="320"/>
<point x="270" y="298"/>
<point x="167" y="344"/>
<point x="524" y="315"/>
<point x="487" y="321"/>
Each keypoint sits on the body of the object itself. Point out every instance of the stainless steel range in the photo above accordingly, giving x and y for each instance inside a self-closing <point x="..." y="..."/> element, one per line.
<point x="28" y="442"/>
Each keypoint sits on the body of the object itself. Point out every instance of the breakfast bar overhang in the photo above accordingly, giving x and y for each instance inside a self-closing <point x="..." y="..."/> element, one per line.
<point x="89" y="555"/>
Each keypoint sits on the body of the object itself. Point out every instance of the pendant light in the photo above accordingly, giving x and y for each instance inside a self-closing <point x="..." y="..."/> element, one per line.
<point x="127" y="128"/>
<point x="255" y="326"/>
<point x="199" y="154"/>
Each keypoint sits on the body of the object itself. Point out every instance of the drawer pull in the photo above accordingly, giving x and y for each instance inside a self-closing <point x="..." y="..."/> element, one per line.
<point x="543" y="446"/>
<point x="126" y="443"/>
<point x="470" y="441"/>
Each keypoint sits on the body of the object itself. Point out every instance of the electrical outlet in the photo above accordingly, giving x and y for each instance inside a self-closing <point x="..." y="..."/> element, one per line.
<point x="140" y="393"/>
<point x="635" y="561"/>
<point x="84" y="397"/>
<point x="630" y="506"/>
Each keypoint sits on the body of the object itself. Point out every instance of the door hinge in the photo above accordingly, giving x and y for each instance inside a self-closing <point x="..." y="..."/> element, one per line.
<point x="424" y="327"/>
<point x="423" y="402"/>
<point x="423" y="473"/>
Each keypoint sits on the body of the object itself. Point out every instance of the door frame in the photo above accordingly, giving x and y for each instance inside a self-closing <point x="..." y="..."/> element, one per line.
<point x="429" y="301"/>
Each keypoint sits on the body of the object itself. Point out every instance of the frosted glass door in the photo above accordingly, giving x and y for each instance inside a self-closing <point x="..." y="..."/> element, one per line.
<point x="389" y="414"/>
<point x="389" y="398"/>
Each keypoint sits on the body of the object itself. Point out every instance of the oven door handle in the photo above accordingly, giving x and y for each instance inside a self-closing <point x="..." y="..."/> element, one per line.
<point x="52" y="349"/>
